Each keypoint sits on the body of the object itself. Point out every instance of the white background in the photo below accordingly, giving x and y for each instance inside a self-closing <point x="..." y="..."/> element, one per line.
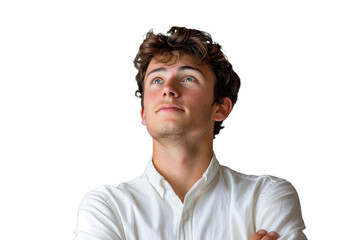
<point x="69" y="120"/>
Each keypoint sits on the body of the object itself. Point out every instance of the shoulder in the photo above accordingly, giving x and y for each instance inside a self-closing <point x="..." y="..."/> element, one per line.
<point x="103" y="207"/>
<point x="262" y="188"/>
<point x="273" y="201"/>
<point x="111" y="194"/>
<point x="265" y="181"/>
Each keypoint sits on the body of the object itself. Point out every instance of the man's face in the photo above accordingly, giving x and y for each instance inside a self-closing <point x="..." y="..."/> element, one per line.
<point x="178" y="99"/>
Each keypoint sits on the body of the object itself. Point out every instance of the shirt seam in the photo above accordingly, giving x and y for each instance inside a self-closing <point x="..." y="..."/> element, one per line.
<point x="272" y="182"/>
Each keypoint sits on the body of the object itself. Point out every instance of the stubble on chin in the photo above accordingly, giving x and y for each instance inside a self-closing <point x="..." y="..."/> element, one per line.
<point x="167" y="132"/>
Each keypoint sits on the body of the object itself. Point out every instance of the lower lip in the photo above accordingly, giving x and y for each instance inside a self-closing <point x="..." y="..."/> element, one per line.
<point x="170" y="110"/>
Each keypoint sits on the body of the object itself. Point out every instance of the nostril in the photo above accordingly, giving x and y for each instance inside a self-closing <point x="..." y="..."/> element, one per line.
<point x="169" y="92"/>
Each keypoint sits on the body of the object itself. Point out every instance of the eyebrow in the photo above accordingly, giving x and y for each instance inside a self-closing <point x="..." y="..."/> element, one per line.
<point x="183" y="68"/>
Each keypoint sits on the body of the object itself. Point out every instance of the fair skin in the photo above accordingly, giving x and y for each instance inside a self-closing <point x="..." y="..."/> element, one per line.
<point x="179" y="113"/>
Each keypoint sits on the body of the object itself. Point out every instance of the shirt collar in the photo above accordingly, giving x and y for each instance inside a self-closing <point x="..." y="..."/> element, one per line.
<point x="161" y="185"/>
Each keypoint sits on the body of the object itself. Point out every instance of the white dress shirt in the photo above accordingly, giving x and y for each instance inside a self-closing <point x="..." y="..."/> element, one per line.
<point x="222" y="204"/>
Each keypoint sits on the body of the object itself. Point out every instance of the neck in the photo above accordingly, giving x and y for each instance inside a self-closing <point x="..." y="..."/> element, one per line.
<point x="182" y="164"/>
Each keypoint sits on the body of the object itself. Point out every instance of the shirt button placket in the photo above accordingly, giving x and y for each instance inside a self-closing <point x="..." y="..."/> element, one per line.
<point x="186" y="218"/>
<point x="187" y="226"/>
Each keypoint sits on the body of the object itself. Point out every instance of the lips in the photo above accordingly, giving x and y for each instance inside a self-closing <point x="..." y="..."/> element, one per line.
<point x="170" y="108"/>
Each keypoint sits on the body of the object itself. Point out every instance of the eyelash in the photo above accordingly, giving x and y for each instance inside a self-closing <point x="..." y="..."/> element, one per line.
<point x="184" y="80"/>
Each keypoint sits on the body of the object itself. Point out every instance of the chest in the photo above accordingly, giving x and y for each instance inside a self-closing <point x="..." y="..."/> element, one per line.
<point x="203" y="216"/>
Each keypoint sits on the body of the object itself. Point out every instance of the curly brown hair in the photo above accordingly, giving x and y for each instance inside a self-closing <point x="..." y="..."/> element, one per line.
<point x="197" y="44"/>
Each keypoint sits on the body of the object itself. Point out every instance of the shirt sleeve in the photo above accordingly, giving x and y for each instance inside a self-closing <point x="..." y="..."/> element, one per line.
<point x="279" y="210"/>
<point x="97" y="219"/>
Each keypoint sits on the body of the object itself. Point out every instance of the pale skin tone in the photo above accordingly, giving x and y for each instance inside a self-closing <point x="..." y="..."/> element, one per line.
<point x="179" y="113"/>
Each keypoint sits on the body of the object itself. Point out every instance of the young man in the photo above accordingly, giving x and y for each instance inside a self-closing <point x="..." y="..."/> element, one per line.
<point x="187" y="89"/>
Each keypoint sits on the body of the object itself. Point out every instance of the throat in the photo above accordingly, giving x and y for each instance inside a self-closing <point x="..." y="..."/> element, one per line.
<point x="180" y="170"/>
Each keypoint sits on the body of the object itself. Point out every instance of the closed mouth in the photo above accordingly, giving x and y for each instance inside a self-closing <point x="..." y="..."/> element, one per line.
<point x="170" y="108"/>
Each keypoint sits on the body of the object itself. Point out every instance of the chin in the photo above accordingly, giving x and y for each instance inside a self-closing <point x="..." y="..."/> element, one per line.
<point x="167" y="132"/>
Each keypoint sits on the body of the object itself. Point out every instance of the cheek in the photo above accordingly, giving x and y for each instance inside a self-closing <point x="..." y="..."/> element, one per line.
<point x="149" y="99"/>
<point x="201" y="104"/>
<point x="201" y="97"/>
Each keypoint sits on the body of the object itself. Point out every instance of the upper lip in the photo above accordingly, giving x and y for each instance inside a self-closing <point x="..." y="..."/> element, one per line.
<point x="167" y="106"/>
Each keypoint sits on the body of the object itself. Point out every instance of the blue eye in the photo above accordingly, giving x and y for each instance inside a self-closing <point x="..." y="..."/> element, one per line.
<point x="189" y="79"/>
<point x="157" y="81"/>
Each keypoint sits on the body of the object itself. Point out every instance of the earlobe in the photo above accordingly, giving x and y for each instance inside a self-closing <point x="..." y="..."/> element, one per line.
<point x="143" y="119"/>
<point x="223" y="109"/>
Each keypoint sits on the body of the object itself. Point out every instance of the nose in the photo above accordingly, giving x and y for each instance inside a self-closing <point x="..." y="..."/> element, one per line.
<point x="171" y="89"/>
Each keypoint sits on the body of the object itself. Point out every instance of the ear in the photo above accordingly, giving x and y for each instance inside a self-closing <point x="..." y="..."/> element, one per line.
<point x="143" y="119"/>
<point x="223" y="109"/>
